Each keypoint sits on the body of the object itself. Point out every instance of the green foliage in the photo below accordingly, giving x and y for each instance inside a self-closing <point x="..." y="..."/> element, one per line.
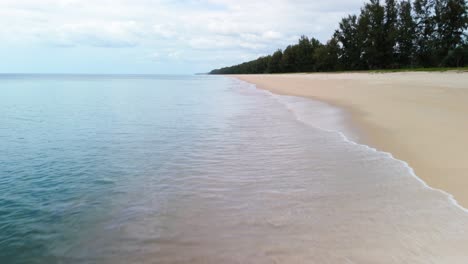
<point x="425" y="32"/>
<point x="391" y="34"/>
<point x="274" y="65"/>
<point x="398" y="34"/>
<point x="451" y="21"/>
<point x="326" y="56"/>
<point x="406" y="30"/>
<point x="350" y="42"/>
<point x="288" y="62"/>
<point x="305" y="50"/>
<point x="371" y="22"/>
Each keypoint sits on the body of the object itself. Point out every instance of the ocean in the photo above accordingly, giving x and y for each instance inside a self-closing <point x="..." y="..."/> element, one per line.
<point x="203" y="169"/>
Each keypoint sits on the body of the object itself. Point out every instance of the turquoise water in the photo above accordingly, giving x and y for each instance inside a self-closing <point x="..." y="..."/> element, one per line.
<point x="202" y="169"/>
<point x="75" y="149"/>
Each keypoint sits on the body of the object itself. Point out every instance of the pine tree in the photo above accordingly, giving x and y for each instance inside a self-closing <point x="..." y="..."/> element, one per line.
<point x="405" y="36"/>
<point x="326" y="56"/>
<point x="275" y="62"/>
<point x="288" y="61"/>
<point x="350" y="43"/>
<point x="372" y="20"/>
<point x="304" y="59"/>
<point x="391" y="33"/>
<point x="451" y="21"/>
<point x="425" y="31"/>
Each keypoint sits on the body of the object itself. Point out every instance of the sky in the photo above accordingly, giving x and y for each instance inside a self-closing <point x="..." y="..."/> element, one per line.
<point x="155" y="36"/>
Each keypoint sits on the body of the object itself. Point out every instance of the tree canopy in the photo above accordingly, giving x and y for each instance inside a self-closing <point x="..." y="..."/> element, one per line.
<point x="385" y="35"/>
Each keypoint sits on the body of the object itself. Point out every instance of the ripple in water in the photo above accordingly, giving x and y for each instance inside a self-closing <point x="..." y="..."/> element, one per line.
<point x="152" y="169"/>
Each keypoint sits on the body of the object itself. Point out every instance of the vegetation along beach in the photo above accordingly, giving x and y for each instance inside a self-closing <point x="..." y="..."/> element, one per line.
<point x="417" y="113"/>
<point x="234" y="131"/>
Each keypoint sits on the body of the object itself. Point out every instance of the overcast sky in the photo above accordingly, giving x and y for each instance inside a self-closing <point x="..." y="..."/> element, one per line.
<point x="155" y="36"/>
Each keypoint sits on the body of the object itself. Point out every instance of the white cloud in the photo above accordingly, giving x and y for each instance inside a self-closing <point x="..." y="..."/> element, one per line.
<point x="165" y="30"/>
<point x="190" y="27"/>
<point x="111" y="34"/>
<point x="155" y="56"/>
<point x="270" y="35"/>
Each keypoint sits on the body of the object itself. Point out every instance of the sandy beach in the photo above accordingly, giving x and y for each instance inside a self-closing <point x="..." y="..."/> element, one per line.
<point x="419" y="117"/>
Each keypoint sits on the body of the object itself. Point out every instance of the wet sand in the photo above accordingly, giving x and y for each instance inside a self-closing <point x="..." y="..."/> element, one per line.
<point x="419" y="117"/>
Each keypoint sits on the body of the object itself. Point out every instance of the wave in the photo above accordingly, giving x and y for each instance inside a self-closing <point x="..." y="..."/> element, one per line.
<point x="335" y="122"/>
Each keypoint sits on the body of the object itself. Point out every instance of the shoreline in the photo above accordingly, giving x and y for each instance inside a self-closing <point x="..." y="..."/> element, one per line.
<point x="415" y="117"/>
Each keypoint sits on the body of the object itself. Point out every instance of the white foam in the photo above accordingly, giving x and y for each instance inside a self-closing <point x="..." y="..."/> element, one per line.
<point x="339" y="126"/>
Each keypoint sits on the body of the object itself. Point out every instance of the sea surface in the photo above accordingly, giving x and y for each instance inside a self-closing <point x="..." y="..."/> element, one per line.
<point x="203" y="169"/>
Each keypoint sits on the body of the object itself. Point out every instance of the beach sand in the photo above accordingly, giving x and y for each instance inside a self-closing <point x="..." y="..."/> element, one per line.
<point x="419" y="117"/>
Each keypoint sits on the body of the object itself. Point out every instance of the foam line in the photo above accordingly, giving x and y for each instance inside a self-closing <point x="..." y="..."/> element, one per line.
<point x="449" y="196"/>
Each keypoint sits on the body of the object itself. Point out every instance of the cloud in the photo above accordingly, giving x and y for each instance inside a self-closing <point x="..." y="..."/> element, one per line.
<point x="165" y="30"/>
<point x="190" y="27"/>
<point x="112" y="34"/>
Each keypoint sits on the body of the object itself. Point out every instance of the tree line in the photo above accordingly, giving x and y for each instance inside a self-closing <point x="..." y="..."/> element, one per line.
<point x="390" y="35"/>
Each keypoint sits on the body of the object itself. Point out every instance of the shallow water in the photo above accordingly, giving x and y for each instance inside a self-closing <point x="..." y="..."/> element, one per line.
<point x="203" y="169"/>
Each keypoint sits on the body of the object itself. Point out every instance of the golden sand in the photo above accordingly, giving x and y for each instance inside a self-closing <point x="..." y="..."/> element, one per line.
<point x="419" y="117"/>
